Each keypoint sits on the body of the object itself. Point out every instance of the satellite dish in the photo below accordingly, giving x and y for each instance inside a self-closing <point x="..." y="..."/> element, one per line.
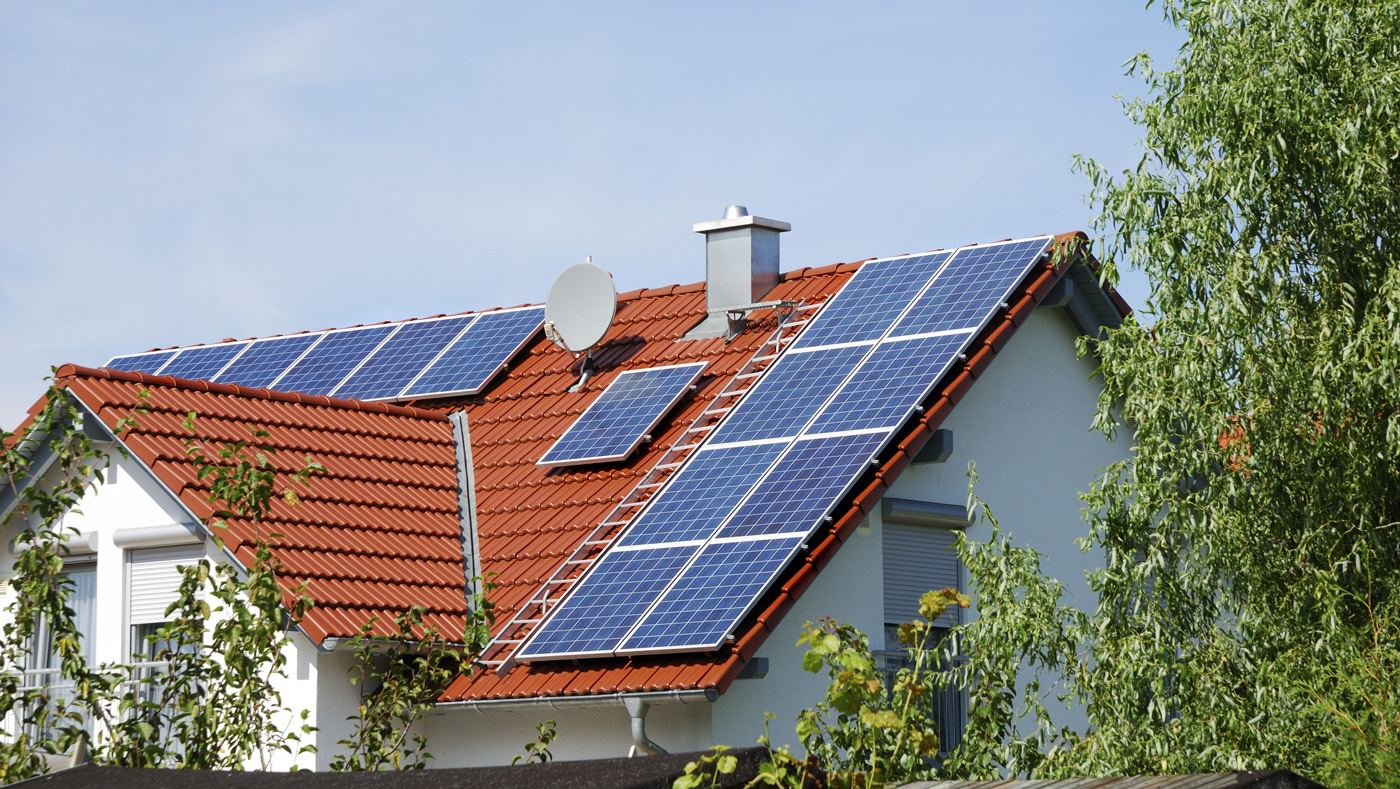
<point x="580" y="307"/>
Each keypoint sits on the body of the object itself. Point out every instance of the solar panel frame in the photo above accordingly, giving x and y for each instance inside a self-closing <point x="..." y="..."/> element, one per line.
<point x="163" y="358"/>
<point x="323" y="368"/>
<point x="484" y="376"/>
<point x="203" y="362"/>
<point x="864" y="310"/>
<point x="778" y="404"/>
<point x="595" y="418"/>
<point x="890" y="382"/>
<point x="975" y="280"/>
<point x="377" y="380"/>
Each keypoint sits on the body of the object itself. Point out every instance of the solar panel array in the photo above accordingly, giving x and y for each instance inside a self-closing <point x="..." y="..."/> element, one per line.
<point x="706" y="547"/>
<point x="614" y="424"/>
<point x="435" y="357"/>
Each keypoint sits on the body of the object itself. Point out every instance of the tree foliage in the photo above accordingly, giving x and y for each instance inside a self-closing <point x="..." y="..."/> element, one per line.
<point x="1251" y="539"/>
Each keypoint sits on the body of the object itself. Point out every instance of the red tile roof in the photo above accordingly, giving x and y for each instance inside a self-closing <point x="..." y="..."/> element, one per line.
<point x="381" y="529"/>
<point x="532" y="518"/>
<point x="376" y="533"/>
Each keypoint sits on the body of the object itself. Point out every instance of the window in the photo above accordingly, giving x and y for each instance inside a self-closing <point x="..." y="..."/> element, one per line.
<point x="153" y="584"/>
<point x="919" y="559"/>
<point x="43" y="664"/>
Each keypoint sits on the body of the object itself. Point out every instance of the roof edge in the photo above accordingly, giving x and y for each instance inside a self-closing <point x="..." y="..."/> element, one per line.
<point x="78" y="371"/>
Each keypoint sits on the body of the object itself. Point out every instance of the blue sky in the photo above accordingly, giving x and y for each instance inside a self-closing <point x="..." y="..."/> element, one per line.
<point x="176" y="173"/>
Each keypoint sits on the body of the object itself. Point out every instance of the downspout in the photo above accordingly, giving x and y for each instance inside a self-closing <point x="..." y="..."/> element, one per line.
<point x="637" y="708"/>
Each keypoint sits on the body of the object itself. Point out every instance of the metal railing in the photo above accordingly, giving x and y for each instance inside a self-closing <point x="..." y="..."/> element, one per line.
<point x="948" y="707"/>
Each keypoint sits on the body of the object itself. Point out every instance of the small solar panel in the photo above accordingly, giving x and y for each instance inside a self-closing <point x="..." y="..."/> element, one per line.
<point x="871" y="300"/>
<point x="804" y="485"/>
<point x="338" y="353"/>
<point x="616" y="422"/>
<point x="976" y="281"/>
<point x="398" y="361"/>
<point x="264" y="361"/>
<point x="789" y="394"/>
<point x="474" y="358"/>
<point x="204" y="362"/>
<point x="892" y="381"/>
<point x="711" y="596"/>
<point x="701" y="494"/>
<point x="620" y="588"/>
<point x="149" y="363"/>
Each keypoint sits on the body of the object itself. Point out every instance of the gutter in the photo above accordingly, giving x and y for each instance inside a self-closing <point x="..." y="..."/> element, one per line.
<point x="707" y="695"/>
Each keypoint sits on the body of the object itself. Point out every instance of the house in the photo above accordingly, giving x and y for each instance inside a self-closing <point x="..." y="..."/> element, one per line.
<point x="434" y="476"/>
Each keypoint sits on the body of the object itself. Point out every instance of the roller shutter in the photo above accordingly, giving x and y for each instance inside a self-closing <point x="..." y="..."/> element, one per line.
<point x="155" y="580"/>
<point x="917" y="559"/>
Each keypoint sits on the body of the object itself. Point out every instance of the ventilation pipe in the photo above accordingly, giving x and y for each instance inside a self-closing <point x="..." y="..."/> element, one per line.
<point x="637" y="708"/>
<point x="741" y="265"/>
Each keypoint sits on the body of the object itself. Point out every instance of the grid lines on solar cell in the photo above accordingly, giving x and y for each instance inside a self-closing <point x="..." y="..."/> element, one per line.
<point x="711" y="595"/>
<point x="789" y="394"/>
<point x="697" y="500"/>
<point x="620" y="588"/>
<point x="890" y="383"/>
<point x="265" y="360"/>
<point x="391" y="368"/>
<point x="613" y="424"/>
<point x="149" y="363"/>
<point x="473" y="358"/>
<point x="803" y="485"/>
<point x="203" y="363"/>
<point x="871" y="300"/>
<point x="974" y="283"/>
<point x="322" y="369"/>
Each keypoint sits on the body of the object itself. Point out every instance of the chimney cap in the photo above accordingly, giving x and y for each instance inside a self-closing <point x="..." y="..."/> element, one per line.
<point x="738" y="216"/>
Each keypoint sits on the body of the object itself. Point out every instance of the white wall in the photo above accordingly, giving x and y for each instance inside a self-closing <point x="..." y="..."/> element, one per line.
<point x="1026" y="425"/>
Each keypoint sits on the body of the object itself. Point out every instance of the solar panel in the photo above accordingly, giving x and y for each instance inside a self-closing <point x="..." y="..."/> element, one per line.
<point x="621" y="586"/>
<point x="893" y="380"/>
<point x="616" y="422"/>
<point x="871" y="300"/>
<point x="789" y="394"/>
<point x="265" y="360"/>
<point x="474" y="358"/>
<point x="397" y="362"/>
<point x="711" y="596"/>
<point x="978" y="279"/>
<point x="338" y="353"/>
<point x="803" y="486"/>
<point x="697" y="500"/>
<point x="149" y="363"/>
<point x="204" y="362"/>
<point x="796" y="443"/>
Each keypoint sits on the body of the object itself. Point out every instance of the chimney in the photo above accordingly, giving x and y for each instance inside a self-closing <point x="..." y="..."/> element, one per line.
<point x="741" y="265"/>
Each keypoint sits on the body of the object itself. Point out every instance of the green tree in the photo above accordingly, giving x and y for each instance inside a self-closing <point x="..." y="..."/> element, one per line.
<point x="1250" y="539"/>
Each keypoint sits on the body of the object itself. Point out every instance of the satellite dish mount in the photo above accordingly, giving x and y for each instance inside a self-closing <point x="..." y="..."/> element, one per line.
<point x="579" y="312"/>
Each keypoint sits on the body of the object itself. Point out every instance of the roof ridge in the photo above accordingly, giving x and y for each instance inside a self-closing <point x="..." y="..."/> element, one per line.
<point x="79" y="371"/>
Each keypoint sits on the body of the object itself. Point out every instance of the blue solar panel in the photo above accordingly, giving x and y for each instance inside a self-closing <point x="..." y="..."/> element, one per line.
<point x="322" y="369"/>
<point x="141" y="362"/>
<point x="475" y="357"/>
<point x="871" y="300"/>
<point x="977" y="280"/>
<point x="615" y="423"/>
<point x="789" y="394"/>
<point x="402" y="358"/>
<point x="804" y="485"/>
<point x="711" y="596"/>
<point x="265" y="360"/>
<point x="620" y="588"/>
<point x="890" y="383"/>
<point x="702" y="493"/>
<point x="203" y="363"/>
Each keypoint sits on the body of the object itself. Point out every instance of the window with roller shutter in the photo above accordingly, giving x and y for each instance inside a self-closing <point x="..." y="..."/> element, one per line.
<point x="154" y="581"/>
